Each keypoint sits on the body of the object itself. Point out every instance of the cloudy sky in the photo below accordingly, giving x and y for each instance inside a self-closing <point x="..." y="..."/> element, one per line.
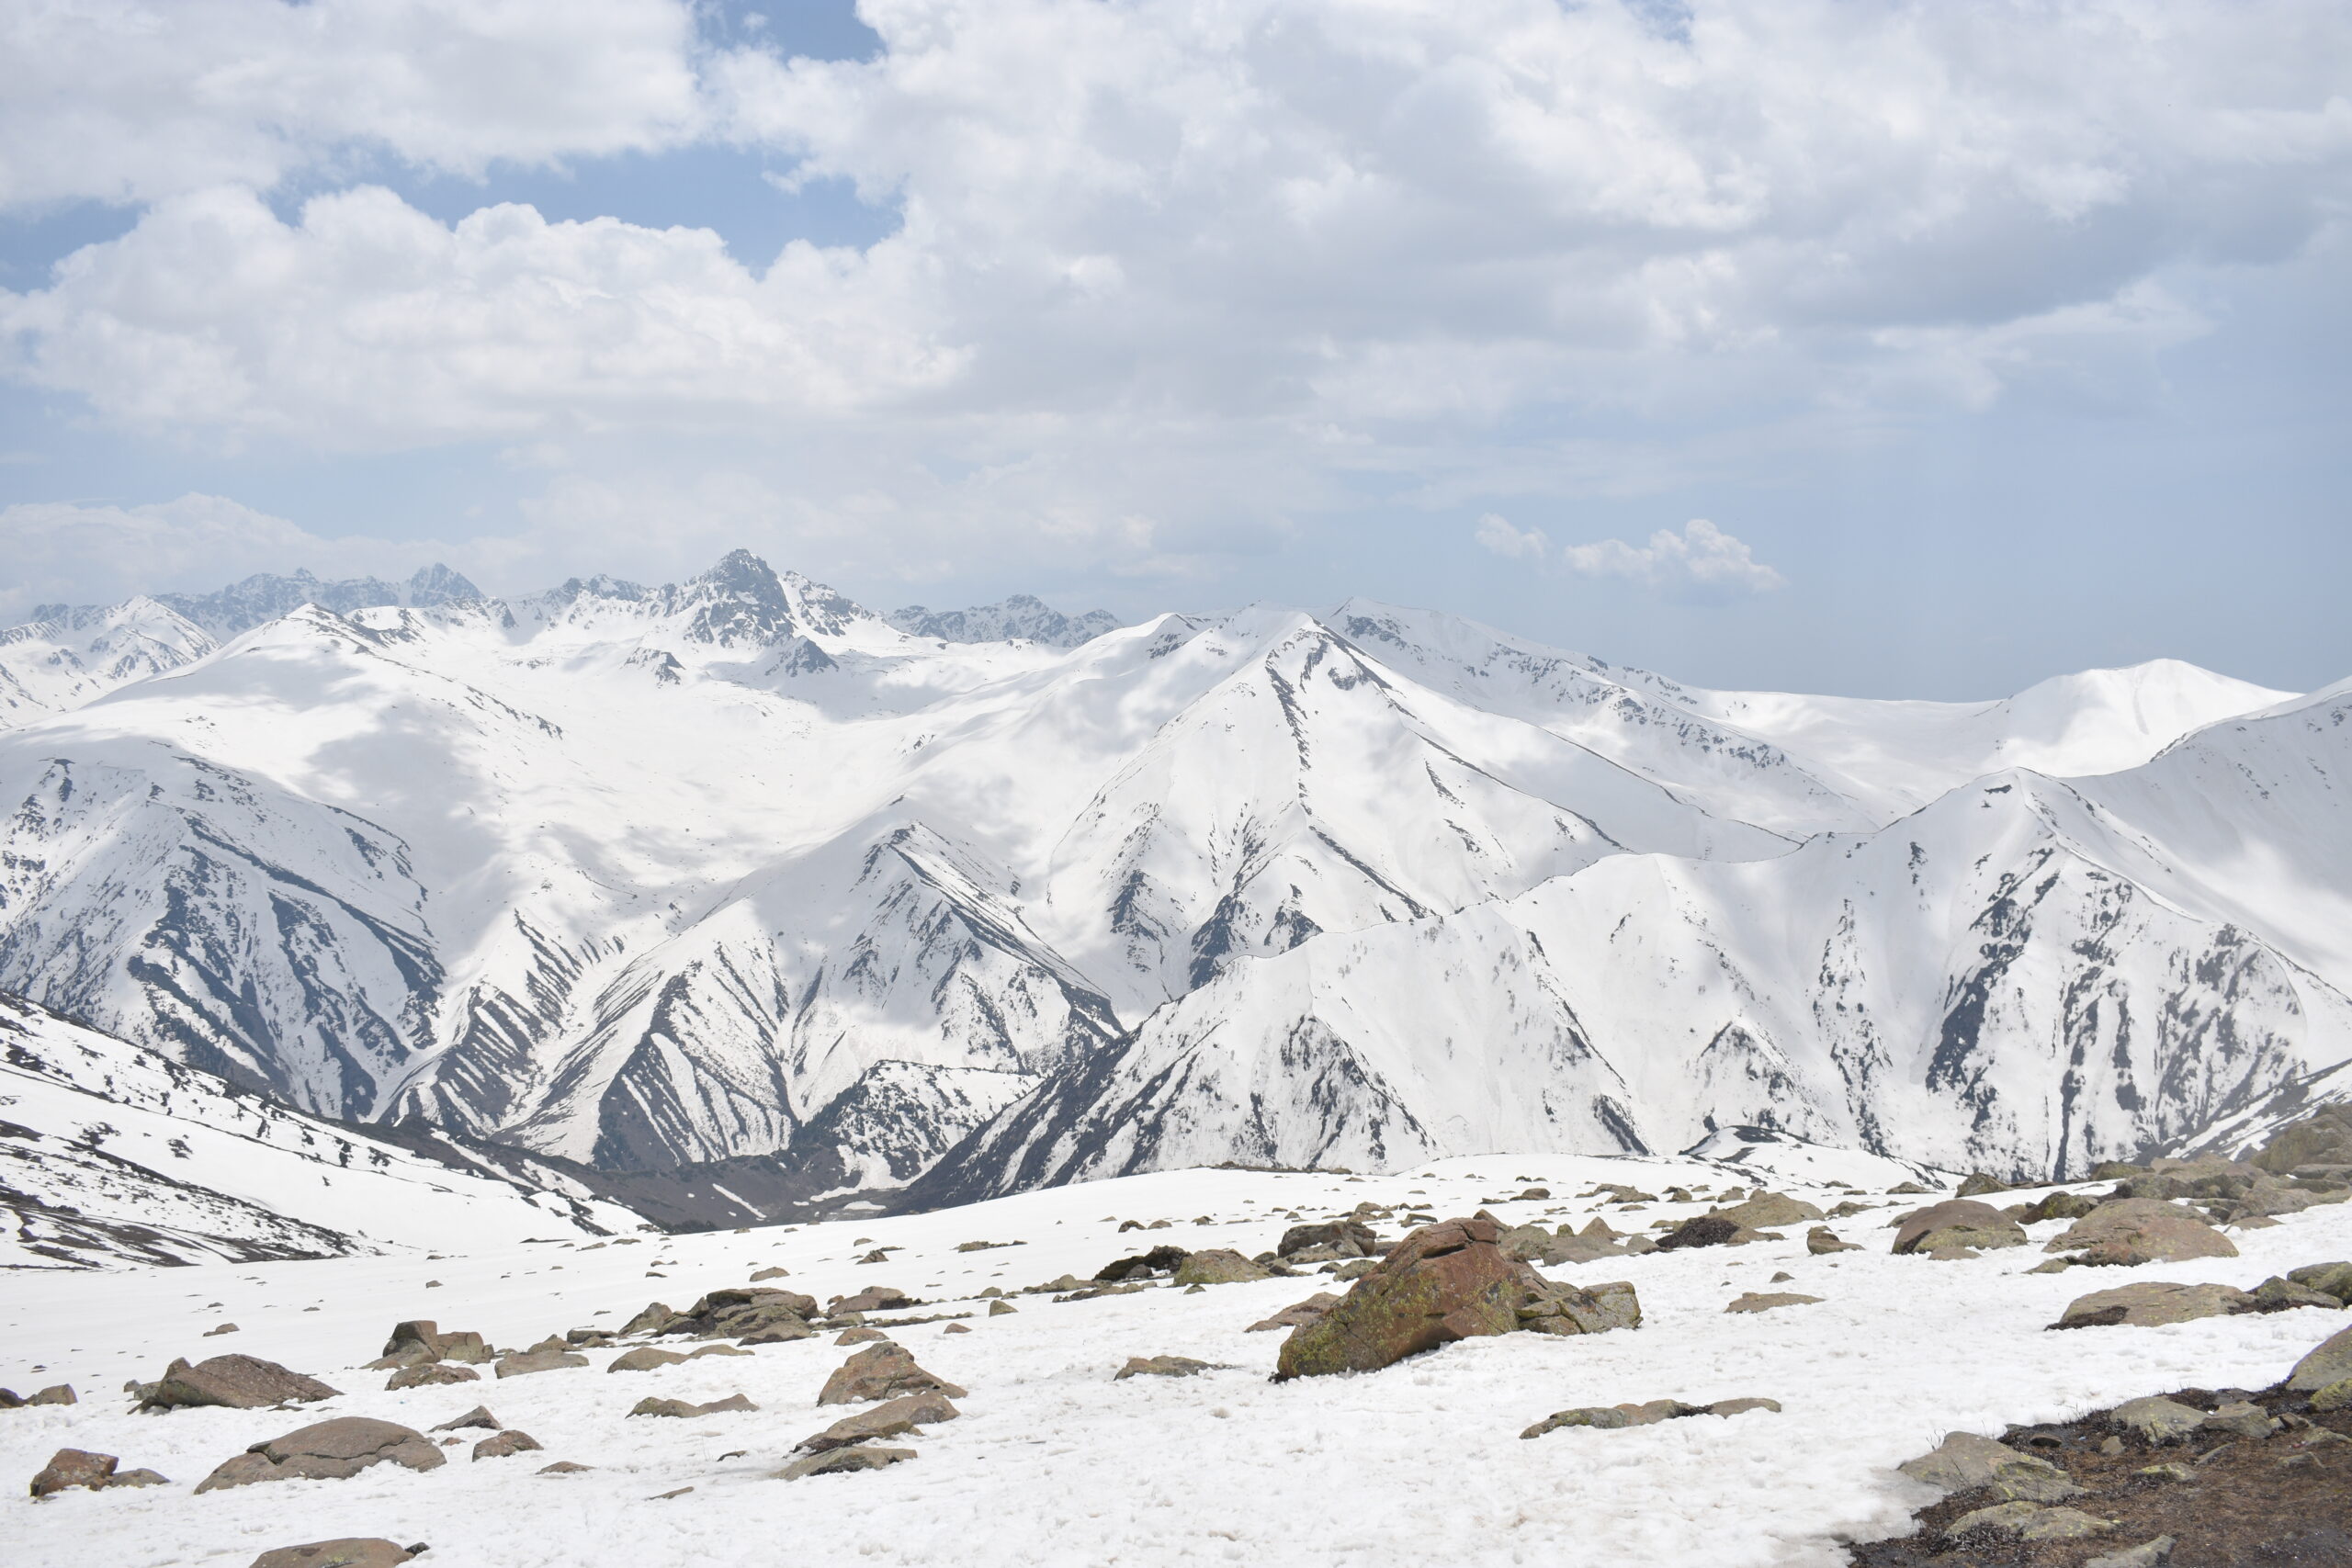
<point x="1901" y="349"/>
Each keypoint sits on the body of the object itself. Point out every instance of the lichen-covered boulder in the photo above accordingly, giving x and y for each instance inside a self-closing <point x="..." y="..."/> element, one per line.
<point x="1219" y="1266"/>
<point x="2130" y="1231"/>
<point x="2328" y="1278"/>
<point x="329" y="1451"/>
<point x="2330" y="1363"/>
<point x="1447" y="1281"/>
<point x="2154" y="1301"/>
<point x="1958" y="1222"/>
<point x="238" y="1382"/>
<point x="1965" y="1460"/>
<point x="1766" y="1209"/>
<point x="1346" y="1238"/>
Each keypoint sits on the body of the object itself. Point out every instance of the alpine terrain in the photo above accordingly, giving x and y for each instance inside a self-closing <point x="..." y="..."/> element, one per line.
<point x="736" y="886"/>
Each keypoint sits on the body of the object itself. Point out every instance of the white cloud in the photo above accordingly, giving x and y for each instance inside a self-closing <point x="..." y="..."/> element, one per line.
<point x="1497" y="534"/>
<point x="75" y="552"/>
<point x="1702" y="563"/>
<point x="136" y="100"/>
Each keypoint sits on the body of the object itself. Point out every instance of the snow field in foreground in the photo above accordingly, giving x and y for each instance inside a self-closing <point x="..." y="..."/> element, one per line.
<point x="1055" y="1463"/>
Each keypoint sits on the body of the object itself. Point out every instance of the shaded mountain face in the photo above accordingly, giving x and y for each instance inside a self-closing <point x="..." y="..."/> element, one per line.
<point x="652" y="878"/>
<point x="1024" y="615"/>
<point x="112" y="1154"/>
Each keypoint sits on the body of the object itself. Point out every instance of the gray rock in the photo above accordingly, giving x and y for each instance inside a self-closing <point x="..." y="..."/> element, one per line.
<point x="1821" y="1239"/>
<point x="499" y="1445"/>
<point x="1219" y="1265"/>
<point x="651" y="1405"/>
<point x="2329" y="1279"/>
<point x="1957" y="1222"/>
<point x="644" y="1358"/>
<point x="2157" y="1420"/>
<point x="1765" y="1301"/>
<point x="2276" y="1294"/>
<point x="2331" y="1362"/>
<point x="431" y="1374"/>
<point x="2031" y="1521"/>
<point x="2132" y="1231"/>
<point x="2150" y="1302"/>
<point x="1966" y="1460"/>
<point x="840" y="1461"/>
<point x="2147" y="1554"/>
<point x="538" y="1358"/>
<point x="329" y="1451"/>
<point x="2241" y="1419"/>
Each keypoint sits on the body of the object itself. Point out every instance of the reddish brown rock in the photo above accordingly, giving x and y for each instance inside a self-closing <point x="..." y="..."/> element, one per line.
<point x="328" y="1450"/>
<point x="890" y="1420"/>
<point x="239" y="1383"/>
<point x="69" y="1468"/>
<point x="352" y="1551"/>
<point x="513" y="1440"/>
<point x="882" y="1371"/>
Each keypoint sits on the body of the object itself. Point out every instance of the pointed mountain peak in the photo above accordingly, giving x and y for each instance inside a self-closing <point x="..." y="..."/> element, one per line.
<point x="437" y="584"/>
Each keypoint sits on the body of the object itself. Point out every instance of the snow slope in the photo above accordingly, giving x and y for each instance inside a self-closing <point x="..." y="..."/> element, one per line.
<point x="1052" y="1462"/>
<point x="111" y="1155"/>
<point x="648" y="877"/>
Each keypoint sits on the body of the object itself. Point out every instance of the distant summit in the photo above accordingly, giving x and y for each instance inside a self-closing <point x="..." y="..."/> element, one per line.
<point x="264" y="596"/>
<point x="1022" y="615"/>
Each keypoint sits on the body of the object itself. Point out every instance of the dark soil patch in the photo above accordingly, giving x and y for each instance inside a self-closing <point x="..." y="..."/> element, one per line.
<point x="2284" y="1501"/>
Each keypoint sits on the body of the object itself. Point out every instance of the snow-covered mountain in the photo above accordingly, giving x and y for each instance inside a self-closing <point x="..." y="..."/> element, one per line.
<point x="112" y="1154"/>
<point x="653" y="877"/>
<point x="1022" y="615"/>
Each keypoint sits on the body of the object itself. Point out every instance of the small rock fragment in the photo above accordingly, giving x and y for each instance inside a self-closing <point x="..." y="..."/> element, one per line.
<point x="1765" y="1301"/>
<point x="350" y="1553"/>
<point x="499" y="1445"/>
<point x="1159" y="1367"/>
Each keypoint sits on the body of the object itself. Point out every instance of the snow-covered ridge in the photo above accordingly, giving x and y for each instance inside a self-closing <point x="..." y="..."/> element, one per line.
<point x="113" y="1154"/>
<point x="650" y="876"/>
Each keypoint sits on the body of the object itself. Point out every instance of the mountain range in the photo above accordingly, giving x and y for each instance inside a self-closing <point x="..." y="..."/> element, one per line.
<point x="734" y="882"/>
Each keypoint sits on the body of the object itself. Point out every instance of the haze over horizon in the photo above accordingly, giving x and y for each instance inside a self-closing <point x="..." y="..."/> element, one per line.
<point x="1871" y="348"/>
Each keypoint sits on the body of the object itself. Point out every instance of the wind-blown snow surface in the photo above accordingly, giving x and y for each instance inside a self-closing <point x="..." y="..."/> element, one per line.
<point x="112" y="1154"/>
<point x="650" y="877"/>
<point x="1052" y="1462"/>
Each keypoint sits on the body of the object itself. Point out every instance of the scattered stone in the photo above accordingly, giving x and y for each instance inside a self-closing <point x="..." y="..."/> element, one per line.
<point x="2150" y="1302"/>
<point x="697" y="1355"/>
<point x="1765" y="1301"/>
<point x="478" y="1418"/>
<point x="650" y="1406"/>
<point x="840" y="1461"/>
<point x="1766" y="1209"/>
<point x="644" y="1358"/>
<point x="2328" y="1278"/>
<point x="2167" y="1472"/>
<point x="1002" y="1309"/>
<point x="655" y="1319"/>
<point x="564" y="1467"/>
<point x="1346" y="1238"/>
<point x="352" y="1552"/>
<point x="1706" y="1230"/>
<point x="238" y="1382"/>
<point x="1957" y="1222"/>
<point x="2130" y="1231"/>
<point x="1821" y="1239"/>
<point x="2157" y="1420"/>
<point x="1613" y="1418"/>
<point x="890" y="1420"/>
<point x="780" y="1332"/>
<point x="501" y="1445"/>
<point x="1978" y="1184"/>
<point x="2241" y="1418"/>
<point x="2335" y="1396"/>
<point x="2276" y="1294"/>
<point x="73" y="1467"/>
<point x="422" y="1341"/>
<point x="1965" y="1460"/>
<point x="1444" y="1283"/>
<point x="224" y="1328"/>
<point x="538" y="1358"/>
<point x="954" y="1328"/>
<point x="2330" y="1363"/>
<point x="56" y="1393"/>
<point x="859" y="1336"/>
<point x="2031" y="1521"/>
<point x="2058" y="1206"/>
<point x="2147" y="1554"/>
<point x="773" y="1273"/>
<point x="330" y="1451"/>
<point x="1143" y="1265"/>
<point x="1297" y="1313"/>
<point x="1159" y="1367"/>
<point x="881" y="1372"/>
<point x="430" y="1374"/>
<point x="877" y="1297"/>
<point x="1220" y="1266"/>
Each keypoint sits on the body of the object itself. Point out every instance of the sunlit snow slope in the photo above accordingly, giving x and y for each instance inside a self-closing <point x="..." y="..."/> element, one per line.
<point x="646" y="877"/>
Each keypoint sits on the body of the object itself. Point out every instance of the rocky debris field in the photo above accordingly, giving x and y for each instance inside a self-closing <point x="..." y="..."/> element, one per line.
<point x="1493" y="1360"/>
